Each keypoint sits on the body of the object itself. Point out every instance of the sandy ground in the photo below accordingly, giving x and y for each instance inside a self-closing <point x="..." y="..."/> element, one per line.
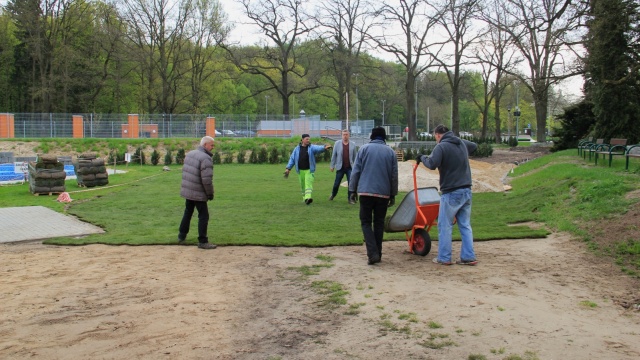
<point x="539" y="299"/>
<point x="525" y="297"/>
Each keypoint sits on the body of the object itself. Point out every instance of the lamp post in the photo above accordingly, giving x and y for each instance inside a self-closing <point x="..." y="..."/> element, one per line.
<point x="356" y="75"/>
<point x="383" y="111"/>
<point x="266" y="107"/>
<point x="509" y="122"/>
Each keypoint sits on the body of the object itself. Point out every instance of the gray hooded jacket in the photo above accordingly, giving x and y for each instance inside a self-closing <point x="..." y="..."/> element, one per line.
<point x="451" y="158"/>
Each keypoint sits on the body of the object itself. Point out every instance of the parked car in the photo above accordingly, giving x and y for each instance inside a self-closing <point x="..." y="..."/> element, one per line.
<point x="228" y="133"/>
<point x="465" y="134"/>
<point x="218" y="133"/>
<point x="426" y="135"/>
<point x="246" y="133"/>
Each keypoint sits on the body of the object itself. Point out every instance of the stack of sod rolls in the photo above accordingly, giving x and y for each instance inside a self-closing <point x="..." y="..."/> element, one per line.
<point x="90" y="171"/>
<point x="46" y="176"/>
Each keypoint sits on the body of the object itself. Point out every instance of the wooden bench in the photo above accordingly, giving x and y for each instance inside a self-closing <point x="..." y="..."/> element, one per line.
<point x="584" y="144"/>
<point x="592" y="148"/>
<point x="615" y="147"/>
<point x="632" y="151"/>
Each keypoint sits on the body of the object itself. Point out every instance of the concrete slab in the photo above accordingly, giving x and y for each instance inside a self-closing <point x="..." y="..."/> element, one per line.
<point x="38" y="222"/>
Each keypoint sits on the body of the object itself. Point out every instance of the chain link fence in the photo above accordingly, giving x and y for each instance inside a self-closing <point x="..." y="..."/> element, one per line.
<point x="57" y="125"/>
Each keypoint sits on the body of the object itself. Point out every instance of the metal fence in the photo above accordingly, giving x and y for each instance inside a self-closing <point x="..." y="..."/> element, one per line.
<point x="58" y="125"/>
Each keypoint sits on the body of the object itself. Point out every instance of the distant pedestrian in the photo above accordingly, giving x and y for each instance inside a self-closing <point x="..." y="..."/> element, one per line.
<point x="451" y="157"/>
<point x="303" y="157"/>
<point x="342" y="159"/>
<point x="197" y="189"/>
<point x="374" y="179"/>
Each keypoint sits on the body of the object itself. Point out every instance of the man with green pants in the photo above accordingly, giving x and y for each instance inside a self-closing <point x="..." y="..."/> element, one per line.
<point x="304" y="159"/>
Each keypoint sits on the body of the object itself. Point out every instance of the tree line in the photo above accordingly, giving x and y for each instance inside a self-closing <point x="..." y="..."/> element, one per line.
<point x="458" y="62"/>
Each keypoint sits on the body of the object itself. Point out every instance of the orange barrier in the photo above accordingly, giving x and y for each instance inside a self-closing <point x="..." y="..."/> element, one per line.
<point x="211" y="126"/>
<point x="78" y="126"/>
<point x="7" y="128"/>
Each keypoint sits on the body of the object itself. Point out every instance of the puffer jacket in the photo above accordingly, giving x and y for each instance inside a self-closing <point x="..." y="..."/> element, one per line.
<point x="375" y="172"/>
<point x="197" y="175"/>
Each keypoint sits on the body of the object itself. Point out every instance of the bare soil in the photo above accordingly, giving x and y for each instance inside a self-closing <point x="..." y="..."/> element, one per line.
<point x="537" y="298"/>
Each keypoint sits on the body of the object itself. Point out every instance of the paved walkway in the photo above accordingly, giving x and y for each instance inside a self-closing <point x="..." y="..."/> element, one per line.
<point x="38" y="222"/>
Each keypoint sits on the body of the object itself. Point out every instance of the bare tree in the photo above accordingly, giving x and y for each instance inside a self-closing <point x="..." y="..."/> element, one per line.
<point x="157" y="31"/>
<point x="494" y="54"/>
<point x="457" y="23"/>
<point x="545" y="32"/>
<point x="343" y="27"/>
<point x="411" y="47"/>
<point x="206" y="29"/>
<point x="278" y="59"/>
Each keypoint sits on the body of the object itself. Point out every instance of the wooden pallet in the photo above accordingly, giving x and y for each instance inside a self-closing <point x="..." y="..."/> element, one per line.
<point x="400" y="155"/>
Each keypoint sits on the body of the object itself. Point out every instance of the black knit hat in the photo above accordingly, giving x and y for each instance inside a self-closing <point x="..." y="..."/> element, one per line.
<point x="378" y="132"/>
<point x="305" y="135"/>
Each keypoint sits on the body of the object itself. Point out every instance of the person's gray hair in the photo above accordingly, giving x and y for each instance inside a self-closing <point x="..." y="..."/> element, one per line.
<point x="205" y="140"/>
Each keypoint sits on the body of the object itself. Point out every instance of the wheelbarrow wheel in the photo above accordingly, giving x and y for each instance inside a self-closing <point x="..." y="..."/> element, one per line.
<point x="421" y="242"/>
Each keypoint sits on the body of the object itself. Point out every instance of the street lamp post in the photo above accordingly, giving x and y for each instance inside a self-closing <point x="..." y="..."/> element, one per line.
<point x="266" y="107"/>
<point x="356" y="75"/>
<point x="509" y="122"/>
<point x="383" y="111"/>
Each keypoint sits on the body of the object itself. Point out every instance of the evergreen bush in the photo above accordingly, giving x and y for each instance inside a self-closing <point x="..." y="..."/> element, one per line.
<point x="241" y="156"/>
<point x="263" y="155"/>
<point x="228" y="159"/>
<point x="483" y="150"/>
<point x="155" y="157"/>
<point x="180" y="157"/>
<point x="273" y="155"/>
<point x="253" y="158"/>
<point x="216" y="158"/>
<point x="139" y="157"/>
<point x="168" y="158"/>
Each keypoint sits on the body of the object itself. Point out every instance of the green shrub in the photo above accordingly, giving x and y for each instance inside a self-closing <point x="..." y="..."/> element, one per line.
<point x="513" y="141"/>
<point x="408" y="155"/>
<point x="167" y="158"/>
<point x="263" y="155"/>
<point x="484" y="150"/>
<point x="216" y="158"/>
<point x="284" y="154"/>
<point x="180" y="157"/>
<point x="115" y="156"/>
<point x="155" y="157"/>
<point x="273" y="156"/>
<point x="229" y="158"/>
<point x="139" y="157"/>
<point x="253" y="158"/>
<point x="241" y="156"/>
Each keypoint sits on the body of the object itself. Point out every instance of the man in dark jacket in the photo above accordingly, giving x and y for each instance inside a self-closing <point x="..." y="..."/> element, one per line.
<point x="197" y="189"/>
<point x="374" y="179"/>
<point x="451" y="158"/>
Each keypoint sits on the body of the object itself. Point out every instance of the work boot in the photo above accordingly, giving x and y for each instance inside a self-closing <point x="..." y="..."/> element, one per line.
<point x="206" y="246"/>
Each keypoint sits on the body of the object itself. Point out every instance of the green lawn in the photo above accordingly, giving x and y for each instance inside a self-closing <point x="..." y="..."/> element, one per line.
<point x="255" y="205"/>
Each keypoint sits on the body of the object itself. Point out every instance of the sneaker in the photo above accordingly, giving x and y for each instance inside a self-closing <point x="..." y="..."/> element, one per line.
<point x="466" y="262"/>
<point x="352" y="202"/>
<point x="331" y="197"/>
<point x="372" y="261"/>
<point x="436" y="261"/>
<point x="206" y="246"/>
<point x="181" y="241"/>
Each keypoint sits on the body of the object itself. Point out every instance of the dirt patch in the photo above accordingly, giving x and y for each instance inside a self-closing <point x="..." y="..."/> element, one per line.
<point x="546" y="296"/>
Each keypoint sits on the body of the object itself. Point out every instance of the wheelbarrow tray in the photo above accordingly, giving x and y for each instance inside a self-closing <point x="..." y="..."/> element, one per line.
<point x="404" y="218"/>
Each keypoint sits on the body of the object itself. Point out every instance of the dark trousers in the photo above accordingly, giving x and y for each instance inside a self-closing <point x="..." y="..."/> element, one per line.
<point x="373" y="210"/>
<point x="336" y="184"/>
<point x="203" y="219"/>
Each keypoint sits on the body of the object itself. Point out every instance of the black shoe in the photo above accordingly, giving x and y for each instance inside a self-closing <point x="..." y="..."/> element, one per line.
<point x="206" y="246"/>
<point x="352" y="202"/>
<point x="373" y="261"/>
<point x="308" y="201"/>
<point x="181" y="241"/>
<point x="331" y="197"/>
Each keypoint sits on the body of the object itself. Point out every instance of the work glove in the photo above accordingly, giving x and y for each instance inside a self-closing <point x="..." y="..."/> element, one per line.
<point x="353" y="197"/>
<point x="210" y="197"/>
<point x="418" y="159"/>
<point x="392" y="201"/>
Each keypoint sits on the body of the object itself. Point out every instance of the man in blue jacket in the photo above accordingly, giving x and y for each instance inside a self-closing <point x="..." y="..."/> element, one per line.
<point x="451" y="158"/>
<point x="304" y="159"/>
<point x="342" y="159"/>
<point x="374" y="179"/>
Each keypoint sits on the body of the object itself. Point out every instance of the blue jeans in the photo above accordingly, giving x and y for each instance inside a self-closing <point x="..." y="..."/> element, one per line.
<point x="336" y="184"/>
<point x="455" y="205"/>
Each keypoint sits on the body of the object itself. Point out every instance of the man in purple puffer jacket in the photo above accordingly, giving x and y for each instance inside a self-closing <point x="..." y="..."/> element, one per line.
<point x="197" y="189"/>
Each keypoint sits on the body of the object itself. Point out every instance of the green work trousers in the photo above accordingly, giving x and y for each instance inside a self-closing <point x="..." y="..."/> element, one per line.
<point x="306" y="183"/>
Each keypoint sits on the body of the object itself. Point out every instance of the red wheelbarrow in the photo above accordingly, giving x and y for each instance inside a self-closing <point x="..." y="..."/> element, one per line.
<point x="415" y="215"/>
